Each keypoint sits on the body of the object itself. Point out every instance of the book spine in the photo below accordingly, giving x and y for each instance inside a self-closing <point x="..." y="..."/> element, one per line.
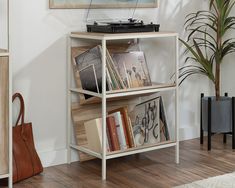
<point x="125" y="131"/>
<point x="120" y="130"/>
<point x="110" y="84"/>
<point x="116" y="73"/>
<point x="112" y="77"/>
<point x="107" y="144"/>
<point x="129" y="129"/>
<point x="113" y="133"/>
<point x="108" y="141"/>
<point x="99" y="130"/>
<point x="126" y="125"/>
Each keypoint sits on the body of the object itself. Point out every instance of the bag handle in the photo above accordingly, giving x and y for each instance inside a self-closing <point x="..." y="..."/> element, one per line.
<point x="22" y="109"/>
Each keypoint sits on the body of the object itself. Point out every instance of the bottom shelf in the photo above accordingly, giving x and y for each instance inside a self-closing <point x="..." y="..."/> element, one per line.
<point x="130" y="151"/>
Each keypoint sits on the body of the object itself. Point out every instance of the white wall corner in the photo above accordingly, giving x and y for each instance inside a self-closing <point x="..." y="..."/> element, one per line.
<point x="189" y="132"/>
<point x="56" y="157"/>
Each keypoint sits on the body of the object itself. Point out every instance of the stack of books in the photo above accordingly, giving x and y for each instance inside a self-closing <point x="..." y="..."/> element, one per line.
<point x="119" y="131"/>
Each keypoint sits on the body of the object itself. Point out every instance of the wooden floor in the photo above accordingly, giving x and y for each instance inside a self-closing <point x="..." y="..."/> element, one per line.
<point x="150" y="170"/>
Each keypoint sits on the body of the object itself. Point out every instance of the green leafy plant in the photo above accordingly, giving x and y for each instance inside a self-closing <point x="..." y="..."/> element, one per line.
<point x="207" y="43"/>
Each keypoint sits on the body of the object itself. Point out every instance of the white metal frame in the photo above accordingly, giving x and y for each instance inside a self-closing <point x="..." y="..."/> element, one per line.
<point x="104" y="156"/>
<point x="6" y="53"/>
<point x="10" y="178"/>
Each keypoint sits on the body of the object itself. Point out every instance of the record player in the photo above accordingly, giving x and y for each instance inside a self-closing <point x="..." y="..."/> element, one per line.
<point x="130" y="26"/>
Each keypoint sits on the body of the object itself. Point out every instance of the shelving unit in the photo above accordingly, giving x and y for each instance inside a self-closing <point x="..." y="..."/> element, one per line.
<point x="105" y="96"/>
<point x="5" y="97"/>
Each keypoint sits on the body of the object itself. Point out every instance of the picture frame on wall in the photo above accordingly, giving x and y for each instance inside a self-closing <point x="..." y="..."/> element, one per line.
<point x="80" y="4"/>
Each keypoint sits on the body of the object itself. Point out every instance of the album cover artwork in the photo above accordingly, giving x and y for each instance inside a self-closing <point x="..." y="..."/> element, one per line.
<point x="146" y="127"/>
<point x="133" y="68"/>
<point x="88" y="79"/>
<point x="83" y="61"/>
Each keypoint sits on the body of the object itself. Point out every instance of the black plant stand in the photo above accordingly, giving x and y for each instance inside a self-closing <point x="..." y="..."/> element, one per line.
<point x="201" y="129"/>
<point x="209" y="124"/>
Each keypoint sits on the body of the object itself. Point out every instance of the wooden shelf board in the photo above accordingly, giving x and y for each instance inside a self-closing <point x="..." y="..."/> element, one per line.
<point x="140" y="91"/>
<point x="82" y="91"/>
<point x="115" y="36"/>
<point x="121" y="153"/>
<point x="140" y="149"/>
<point x="4" y="52"/>
<point x="97" y="100"/>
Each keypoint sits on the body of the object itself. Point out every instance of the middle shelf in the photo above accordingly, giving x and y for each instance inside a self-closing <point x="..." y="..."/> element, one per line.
<point x="123" y="93"/>
<point x="128" y="92"/>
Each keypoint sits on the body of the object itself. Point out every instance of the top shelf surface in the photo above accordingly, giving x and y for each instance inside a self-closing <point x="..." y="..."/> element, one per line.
<point x="114" y="36"/>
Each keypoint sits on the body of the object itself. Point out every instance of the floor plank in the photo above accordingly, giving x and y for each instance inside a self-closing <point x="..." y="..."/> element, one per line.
<point x="149" y="170"/>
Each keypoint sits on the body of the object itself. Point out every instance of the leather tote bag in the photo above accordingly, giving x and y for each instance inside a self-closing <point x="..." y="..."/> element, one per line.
<point x="26" y="162"/>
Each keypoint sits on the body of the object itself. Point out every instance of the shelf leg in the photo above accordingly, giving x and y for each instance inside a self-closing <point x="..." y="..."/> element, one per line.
<point x="233" y="122"/>
<point x="177" y="100"/>
<point x="177" y="159"/>
<point x="225" y="138"/>
<point x="225" y="134"/>
<point x="68" y="100"/>
<point x="104" y="110"/>
<point x="201" y="127"/>
<point x="10" y="183"/>
<point x="10" y="179"/>
<point x="103" y="169"/>
<point x="209" y="124"/>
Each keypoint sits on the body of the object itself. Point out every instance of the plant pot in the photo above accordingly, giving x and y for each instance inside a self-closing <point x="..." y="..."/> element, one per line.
<point x="221" y="114"/>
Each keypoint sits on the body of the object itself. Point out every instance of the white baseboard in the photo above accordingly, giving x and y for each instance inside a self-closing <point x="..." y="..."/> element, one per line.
<point x="52" y="158"/>
<point x="187" y="133"/>
<point x="56" y="157"/>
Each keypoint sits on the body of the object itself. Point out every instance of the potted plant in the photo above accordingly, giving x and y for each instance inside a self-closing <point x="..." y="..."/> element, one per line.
<point x="207" y="45"/>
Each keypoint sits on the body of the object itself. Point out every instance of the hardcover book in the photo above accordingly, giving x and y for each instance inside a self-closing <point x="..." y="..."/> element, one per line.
<point x="127" y="125"/>
<point x="109" y="142"/>
<point x="120" y="130"/>
<point x="111" y="125"/>
<point x="93" y="130"/>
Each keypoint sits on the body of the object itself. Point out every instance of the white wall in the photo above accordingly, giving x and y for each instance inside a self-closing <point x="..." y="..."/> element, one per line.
<point x="38" y="46"/>
<point x="3" y="24"/>
<point x="227" y="71"/>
